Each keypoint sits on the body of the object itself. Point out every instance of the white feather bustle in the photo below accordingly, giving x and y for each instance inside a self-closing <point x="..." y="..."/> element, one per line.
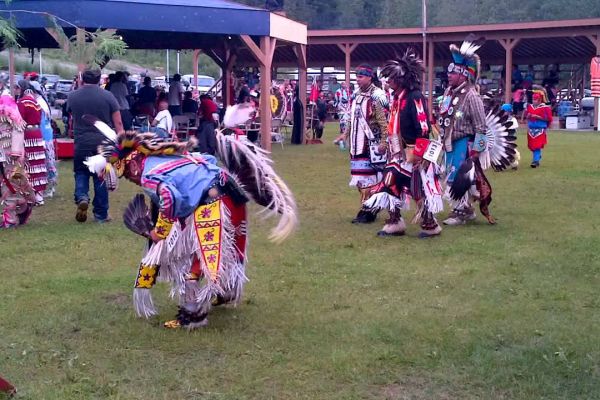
<point x="283" y="202"/>
<point x="238" y="114"/>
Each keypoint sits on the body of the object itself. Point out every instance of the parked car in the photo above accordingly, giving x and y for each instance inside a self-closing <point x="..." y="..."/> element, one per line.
<point x="63" y="87"/>
<point x="203" y="85"/>
<point x="51" y="81"/>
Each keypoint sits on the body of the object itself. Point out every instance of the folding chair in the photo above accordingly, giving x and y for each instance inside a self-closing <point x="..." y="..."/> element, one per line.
<point x="276" y="135"/>
<point x="181" y="125"/>
<point x="192" y="117"/>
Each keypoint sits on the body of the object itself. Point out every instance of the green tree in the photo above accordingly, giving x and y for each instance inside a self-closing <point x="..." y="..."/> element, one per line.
<point x="87" y="49"/>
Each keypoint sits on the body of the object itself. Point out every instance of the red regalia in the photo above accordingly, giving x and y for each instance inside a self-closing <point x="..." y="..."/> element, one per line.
<point x="536" y="133"/>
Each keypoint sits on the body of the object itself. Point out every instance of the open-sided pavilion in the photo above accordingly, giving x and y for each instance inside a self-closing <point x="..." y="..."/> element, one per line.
<point x="543" y="42"/>
<point x="228" y="32"/>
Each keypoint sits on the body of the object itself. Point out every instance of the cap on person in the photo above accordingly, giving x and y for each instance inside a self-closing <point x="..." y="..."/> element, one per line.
<point x="507" y="108"/>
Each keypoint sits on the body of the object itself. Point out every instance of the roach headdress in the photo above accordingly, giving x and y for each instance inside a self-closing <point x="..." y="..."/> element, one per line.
<point x="406" y="70"/>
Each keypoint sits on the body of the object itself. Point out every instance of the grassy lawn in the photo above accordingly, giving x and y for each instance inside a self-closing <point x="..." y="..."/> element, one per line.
<point x="510" y="311"/>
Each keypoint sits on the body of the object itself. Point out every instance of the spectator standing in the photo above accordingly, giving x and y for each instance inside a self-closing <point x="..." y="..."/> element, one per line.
<point x="207" y="140"/>
<point x="244" y="94"/>
<point x="92" y="100"/>
<point x="147" y="97"/>
<point x="517" y="77"/>
<point x="321" y="115"/>
<point x="518" y="103"/>
<point x="334" y="85"/>
<point x="175" y="95"/>
<point x="119" y="89"/>
<point x="189" y="105"/>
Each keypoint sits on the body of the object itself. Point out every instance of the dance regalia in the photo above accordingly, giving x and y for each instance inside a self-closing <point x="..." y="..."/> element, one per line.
<point x="35" y="152"/>
<point x="342" y="103"/>
<point x="50" y="153"/>
<point x="473" y="141"/>
<point x="16" y="194"/>
<point x="367" y="128"/>
<point x="536" y="128"/>
<point x="200" y="230"/>
<point x="404" y="176"/>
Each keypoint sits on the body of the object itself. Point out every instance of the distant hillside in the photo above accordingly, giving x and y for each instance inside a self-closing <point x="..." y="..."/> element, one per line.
<point x="149" y="62"/>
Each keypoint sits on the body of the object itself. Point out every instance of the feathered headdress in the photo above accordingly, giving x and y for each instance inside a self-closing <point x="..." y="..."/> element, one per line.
<point x="466" y="62"/>
<point x="116" y="148"/>
<point x="408" y="68"/>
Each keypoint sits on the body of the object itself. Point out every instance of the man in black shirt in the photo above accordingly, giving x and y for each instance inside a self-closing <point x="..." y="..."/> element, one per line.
<point x="147" y="97"/>
<point x="91" y="99"/>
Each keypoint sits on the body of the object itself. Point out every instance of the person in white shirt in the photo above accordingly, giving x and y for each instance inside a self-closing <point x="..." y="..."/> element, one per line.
<point x="163" y="122"/>
<point x="175" y="95"/>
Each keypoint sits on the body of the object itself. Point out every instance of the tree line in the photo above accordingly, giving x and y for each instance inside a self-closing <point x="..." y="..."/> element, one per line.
<point x="348" y="14"/>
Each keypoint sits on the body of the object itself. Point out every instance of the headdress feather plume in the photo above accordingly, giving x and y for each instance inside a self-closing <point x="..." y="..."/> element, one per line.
<point x="408" y="67"/>
<point x="466" y="54"/>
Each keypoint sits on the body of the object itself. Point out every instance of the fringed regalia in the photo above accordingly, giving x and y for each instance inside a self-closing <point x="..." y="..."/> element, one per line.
<point x="35" y="152"/>
<point x="472" y="141"/>
<point x="198" y="238"/>
<point x="16" y="194"/>
<point x="366" y="130"/>
<point x="539" y="117"/>
<point x="49" y="151"/>
<point x="407" y="175"/>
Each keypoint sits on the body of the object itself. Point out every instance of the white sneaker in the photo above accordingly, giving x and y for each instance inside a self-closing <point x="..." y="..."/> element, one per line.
<point x="39" y="199"/>
<point x="454" y="221"/>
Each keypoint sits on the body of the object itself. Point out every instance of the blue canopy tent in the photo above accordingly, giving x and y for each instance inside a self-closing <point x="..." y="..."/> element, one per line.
<point x="226" y="31"/>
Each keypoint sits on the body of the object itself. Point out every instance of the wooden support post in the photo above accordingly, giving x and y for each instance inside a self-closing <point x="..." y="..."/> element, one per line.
<point x="195" y="57"/>
<point x="300" y="50"/>
<point x="267" y="48"/>
<point x="509" y="45"/>
<point x="347" y="49"/>
<point x="430" y="77"/>
<point x="227" y="83"/>
<point x="595" y="39"/>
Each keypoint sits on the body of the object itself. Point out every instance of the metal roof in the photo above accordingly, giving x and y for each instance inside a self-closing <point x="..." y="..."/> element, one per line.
<point x="145" y="24"/>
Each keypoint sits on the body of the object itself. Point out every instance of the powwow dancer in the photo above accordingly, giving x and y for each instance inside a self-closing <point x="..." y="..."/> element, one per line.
<point x="199" y="238"/>
<point x="539" y="118"/>
<point x="35" y="152"/>
<point x="472" y="140"/>
<point x="342" y="106"/>
<point x="406" y="174"/>
<point x="16" y="194"/>
<point x="48" y="136"/>
<point x="367" y="132"/>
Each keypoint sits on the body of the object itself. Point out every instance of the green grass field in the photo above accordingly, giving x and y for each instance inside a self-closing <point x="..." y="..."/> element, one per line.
<point x="510" y="311"/>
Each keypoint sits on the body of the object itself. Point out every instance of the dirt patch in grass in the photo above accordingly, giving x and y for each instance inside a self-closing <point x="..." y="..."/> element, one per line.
<point x="118" y="299"/>
<point x="413" y="388"/>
